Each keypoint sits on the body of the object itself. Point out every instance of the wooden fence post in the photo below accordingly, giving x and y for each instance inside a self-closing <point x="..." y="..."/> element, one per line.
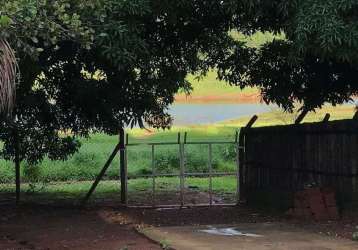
<point x="242" y="157"/>
<point x="326" y="118"/>
<point x="355" y="168"/>
<point x="355" y="117"/>
<point x="122" y="167"/>
<point x="301" y="117"/>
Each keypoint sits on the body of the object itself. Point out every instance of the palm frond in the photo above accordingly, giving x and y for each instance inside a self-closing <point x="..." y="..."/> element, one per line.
<point x="8" y="77"/>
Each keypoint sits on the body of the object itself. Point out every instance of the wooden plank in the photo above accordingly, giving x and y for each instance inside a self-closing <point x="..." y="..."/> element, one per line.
<point x="242" y="156"/>
<point x="324" y="152"/>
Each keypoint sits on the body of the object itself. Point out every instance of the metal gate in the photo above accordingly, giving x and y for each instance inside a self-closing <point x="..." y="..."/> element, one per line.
<point x="123" y="146"/>
<point x="183" y="174"/>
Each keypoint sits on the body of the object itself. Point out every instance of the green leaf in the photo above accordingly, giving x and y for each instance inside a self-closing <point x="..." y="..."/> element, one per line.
<point x="4" y="21"/>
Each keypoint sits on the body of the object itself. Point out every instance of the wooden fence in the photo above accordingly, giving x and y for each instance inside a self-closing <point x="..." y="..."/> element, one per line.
<point x="288" y="158"/>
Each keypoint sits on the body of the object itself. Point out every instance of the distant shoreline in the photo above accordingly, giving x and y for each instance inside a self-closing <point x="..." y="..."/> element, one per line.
<point x="233" y="98"/>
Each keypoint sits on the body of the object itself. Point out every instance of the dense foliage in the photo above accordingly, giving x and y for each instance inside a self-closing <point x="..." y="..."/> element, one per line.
<point x="315" y="63"/>
<point x="101" y="65"/>
<point x="31" y="28"/>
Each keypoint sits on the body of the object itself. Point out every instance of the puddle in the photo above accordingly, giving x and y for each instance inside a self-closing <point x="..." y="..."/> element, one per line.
<point x="228" y="232"/>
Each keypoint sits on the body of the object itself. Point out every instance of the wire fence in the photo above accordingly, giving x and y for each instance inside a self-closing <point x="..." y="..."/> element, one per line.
<point x="183" y="175"/>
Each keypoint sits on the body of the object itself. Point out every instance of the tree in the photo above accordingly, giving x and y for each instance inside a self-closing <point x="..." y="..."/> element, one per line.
<point x="139" y="56"/>
<point x="22" y="24"/>
<point x="28" y="28"/>
<point x="316" y="63"/>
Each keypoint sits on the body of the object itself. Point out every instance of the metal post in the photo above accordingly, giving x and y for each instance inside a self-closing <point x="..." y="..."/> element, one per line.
<point x="126" y="174"/>
<point x="17" y="167"/>
<point x="123" y="176"/>
<point x="182" y="165"/>
<point x="237" y="173"/>
<point x="153" y="174"/>
<point x="210" y="175"/>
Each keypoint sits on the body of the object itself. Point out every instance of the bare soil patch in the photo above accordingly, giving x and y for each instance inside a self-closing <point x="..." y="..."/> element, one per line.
<point x="63" y="228"/>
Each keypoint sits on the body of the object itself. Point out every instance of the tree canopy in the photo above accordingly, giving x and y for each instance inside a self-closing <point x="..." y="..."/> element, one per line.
<point x="97" y="66"/>
<point x="121" y="67"/>
<point x="316" y="63"/>
<point x="24" y="24"/>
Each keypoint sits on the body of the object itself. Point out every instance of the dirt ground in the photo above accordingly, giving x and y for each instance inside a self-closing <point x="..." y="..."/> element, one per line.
<point x="45" y="227"/>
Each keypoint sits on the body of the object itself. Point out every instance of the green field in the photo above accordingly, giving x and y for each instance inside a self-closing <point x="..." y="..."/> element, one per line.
<point x="86" y="164"/>
<point x="209" y="86"/>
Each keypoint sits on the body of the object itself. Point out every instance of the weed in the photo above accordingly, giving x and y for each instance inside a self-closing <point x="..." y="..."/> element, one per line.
<point x="164" y="244"/>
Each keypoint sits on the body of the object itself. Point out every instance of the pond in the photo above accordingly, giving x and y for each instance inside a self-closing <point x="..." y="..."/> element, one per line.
<point x="198" y="114"/>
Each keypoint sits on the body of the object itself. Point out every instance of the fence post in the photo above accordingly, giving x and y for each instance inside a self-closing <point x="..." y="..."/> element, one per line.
<point x="123" y="171"/>
<point x="182" y="166"/>
<point x="242" y="157"/>
<point x="210" y="161"/>
<point x="355" y="170"/>
<point x="326" y="118"/>
<point x="238" y="158"/>
<point x="355" y="117"/>
<point x="301" y="117"/>
<point x="153" y="175"/>
<point x="17" y="167"/>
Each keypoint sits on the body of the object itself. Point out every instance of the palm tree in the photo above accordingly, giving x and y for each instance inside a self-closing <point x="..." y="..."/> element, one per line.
<point x="8" y="77"/>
